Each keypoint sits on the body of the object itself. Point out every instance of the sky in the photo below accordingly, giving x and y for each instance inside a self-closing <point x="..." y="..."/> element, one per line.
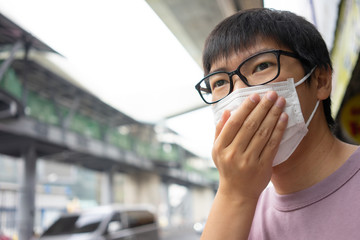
<point x="123" y="53"/>
<point x="119" y="49"/>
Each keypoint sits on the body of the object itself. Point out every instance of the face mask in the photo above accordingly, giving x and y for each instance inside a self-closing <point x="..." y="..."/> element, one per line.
<point x="296" y="128"/>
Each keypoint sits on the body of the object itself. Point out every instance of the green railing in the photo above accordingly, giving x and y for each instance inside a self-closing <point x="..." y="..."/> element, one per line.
<point x="11" y="83"/>
<point x="123" y="141"/>
<point x="86" y="126"/>
<point x="41" y="109"/>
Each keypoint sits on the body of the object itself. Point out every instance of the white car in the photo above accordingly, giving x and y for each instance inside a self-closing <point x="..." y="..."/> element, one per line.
<point x="105" y="223"/>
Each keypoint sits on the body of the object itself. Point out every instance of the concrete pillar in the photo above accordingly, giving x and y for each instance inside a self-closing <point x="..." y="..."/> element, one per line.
<point x="107" y="188"/>
<point x="142" y="188"/>
<point x="180" y="205"/>
<point x="202" y="199"/>
<point x="167" y="206"/>
<point x="26" y="210"/>
<point x="188" y="207"/>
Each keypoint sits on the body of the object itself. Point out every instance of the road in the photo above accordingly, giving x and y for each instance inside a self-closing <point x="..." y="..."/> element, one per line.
<point x="181" y="233"/>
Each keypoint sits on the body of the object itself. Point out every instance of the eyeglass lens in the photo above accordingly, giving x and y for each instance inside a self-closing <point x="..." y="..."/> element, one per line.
<point x="256" y="70"/>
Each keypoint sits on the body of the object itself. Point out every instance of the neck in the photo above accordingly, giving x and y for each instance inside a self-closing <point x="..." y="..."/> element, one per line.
<point x="318" y="156"/>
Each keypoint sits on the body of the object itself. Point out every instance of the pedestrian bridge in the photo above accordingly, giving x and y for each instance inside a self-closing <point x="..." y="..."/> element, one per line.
<point x="64" y="122"/>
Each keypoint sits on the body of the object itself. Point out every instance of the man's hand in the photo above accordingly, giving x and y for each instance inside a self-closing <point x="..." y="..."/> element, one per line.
<point x="246" y="143"/>
<point x="244" y="148"/>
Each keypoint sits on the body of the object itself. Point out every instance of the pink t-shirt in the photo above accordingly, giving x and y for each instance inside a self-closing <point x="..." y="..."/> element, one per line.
<point x="328" y="210"/>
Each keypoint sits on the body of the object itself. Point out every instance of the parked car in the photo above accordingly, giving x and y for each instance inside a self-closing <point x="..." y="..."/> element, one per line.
<point x="105" y="223"/>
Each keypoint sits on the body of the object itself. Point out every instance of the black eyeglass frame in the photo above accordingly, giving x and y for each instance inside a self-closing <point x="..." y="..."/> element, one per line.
<point x="277" y="53"/>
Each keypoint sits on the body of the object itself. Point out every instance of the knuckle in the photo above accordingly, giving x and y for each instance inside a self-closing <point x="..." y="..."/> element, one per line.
<point x="250" y="125"/>
<point x="234" y="122"/>
<point x="224" y="156"/>
<point x="216" y="148"/>
<point x="231" y="154"/>
<point x="272" y="143"/>
<point x="246" y="158"/>
<point x="264" y="132"/>
<point x="265" y="105"/>
<point x="275" y="112"/>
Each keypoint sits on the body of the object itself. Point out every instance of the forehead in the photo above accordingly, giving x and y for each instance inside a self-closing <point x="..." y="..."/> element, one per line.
<point x="232" y="60"/>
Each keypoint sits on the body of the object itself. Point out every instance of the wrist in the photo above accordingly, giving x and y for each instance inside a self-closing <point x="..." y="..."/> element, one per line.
<point x="239" y="196"/>
<point x="232" y="212"/>
<point x="236" y="200"/>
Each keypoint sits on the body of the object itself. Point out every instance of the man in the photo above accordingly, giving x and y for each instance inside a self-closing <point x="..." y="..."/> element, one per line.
<point x="268" y="78"/>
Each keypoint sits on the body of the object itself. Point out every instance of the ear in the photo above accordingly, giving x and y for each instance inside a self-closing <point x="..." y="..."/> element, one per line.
<point x="323" y="79"/>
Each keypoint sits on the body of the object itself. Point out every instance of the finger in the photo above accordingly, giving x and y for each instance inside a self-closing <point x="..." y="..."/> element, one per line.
<point x="236" y="120"/>
<point x="263" y="134"/>
<point x="253" y="121"/>
<point x="225" y="116"/>
<point x="269" y="152"/>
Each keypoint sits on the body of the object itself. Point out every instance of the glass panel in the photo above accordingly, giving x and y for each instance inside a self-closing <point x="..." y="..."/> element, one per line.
<point x="260" y="68"/>
<point x="215" y="87"/>
<point x="75" y="224"/>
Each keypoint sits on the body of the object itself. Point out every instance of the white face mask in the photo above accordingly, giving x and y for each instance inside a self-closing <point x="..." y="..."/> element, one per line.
<point x="296" y="128"/>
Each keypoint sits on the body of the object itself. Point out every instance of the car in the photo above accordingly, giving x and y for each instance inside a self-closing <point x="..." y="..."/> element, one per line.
<point x="105" y="223"/>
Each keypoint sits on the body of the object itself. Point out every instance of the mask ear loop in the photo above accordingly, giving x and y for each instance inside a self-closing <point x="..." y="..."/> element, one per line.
<point x="312" y="114"/>
<point x="317" y="103"/>
<point x="305" y="77"/>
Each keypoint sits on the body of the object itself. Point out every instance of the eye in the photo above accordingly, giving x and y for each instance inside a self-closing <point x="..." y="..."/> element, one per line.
<point x="219" y="83"/>
<point x="262" y="66"/>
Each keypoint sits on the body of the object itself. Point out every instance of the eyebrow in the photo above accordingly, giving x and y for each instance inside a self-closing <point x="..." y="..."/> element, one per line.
<point x="223" y="69"/>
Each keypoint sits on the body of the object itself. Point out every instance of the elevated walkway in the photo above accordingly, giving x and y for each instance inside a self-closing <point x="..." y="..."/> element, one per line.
<point x="65" y="123"/>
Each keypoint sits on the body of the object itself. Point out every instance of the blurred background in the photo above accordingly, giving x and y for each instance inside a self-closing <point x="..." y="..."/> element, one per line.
<point x="98" y="105"/>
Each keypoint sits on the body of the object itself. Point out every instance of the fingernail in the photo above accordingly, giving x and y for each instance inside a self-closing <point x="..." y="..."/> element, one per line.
<point x="280" y="102"/>
<point x="271" y="95"/>
<point x="283" y="117"/>
<point x="254" y="98"/>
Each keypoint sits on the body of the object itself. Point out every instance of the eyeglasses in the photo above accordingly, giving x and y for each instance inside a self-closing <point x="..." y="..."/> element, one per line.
<point x="259" y="69"/>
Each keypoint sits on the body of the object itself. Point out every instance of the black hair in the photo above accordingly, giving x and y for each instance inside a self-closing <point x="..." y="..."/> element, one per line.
<point x="241" y="31"/>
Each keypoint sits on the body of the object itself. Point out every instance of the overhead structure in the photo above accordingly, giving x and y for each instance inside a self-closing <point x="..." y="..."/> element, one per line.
<point x="12" y="40"/>
<point x="45" y="114"/>
<point x="192" y="20"/>
<point x="10" y="33"/>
